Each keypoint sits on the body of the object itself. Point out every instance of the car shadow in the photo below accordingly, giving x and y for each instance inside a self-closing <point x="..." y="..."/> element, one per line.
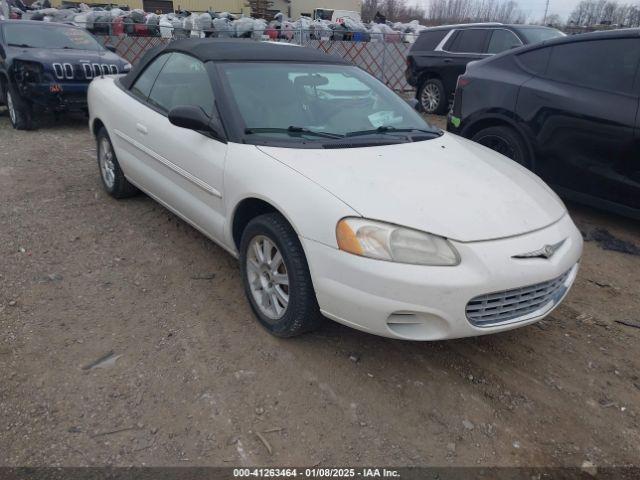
<point x="586" y="217"/>
<point x="47" y="121"/>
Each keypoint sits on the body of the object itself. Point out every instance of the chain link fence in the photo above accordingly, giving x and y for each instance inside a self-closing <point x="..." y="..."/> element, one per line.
<point x="384" y="58"/>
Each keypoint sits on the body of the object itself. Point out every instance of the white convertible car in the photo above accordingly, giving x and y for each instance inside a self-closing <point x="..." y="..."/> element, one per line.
<point x="337" y="197"/>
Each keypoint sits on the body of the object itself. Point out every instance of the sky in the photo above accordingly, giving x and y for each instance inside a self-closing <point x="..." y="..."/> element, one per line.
<point x="535" y="8"/>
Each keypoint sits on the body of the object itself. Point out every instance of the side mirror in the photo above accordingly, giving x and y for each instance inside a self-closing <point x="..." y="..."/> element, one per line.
<point x="111" y="48"/>
<point x="193" y="118"/>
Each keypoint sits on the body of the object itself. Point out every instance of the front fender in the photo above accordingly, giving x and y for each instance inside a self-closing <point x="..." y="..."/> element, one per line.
<point x="475" y="121"/>
<point x="495" y="116"/>
<point x="312" y="211"/>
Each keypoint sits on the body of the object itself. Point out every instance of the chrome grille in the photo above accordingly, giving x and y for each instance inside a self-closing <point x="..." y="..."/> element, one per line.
<point x="83" y="71"/>
<point x="517" y="304"/>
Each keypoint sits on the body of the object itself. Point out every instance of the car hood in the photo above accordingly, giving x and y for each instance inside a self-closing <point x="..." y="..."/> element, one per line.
<point x="448" y="186"/>
<point x="50" y="55"/>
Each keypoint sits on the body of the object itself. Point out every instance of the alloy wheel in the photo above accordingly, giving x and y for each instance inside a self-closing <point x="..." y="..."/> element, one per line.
<point x="268" y="277"/>
<point x="430" y="98"/>
<point x="107" y="167"/>
<point x="11" y="108"/>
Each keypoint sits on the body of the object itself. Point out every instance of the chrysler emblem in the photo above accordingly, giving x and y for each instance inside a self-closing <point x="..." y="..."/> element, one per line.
<point x="545" y="252"/>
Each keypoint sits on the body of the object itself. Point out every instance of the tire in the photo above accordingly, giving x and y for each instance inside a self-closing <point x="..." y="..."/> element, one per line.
<point x="433" y="97"/>
<point x="262" y="279"/>
<point x="19" y="110"/>
<point x="113" y="180"/>
<point x="504" y="140"/>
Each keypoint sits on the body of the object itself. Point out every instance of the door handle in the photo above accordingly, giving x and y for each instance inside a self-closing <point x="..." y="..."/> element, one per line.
<point x="447" y="60"/>
<point x="141" y="128"/>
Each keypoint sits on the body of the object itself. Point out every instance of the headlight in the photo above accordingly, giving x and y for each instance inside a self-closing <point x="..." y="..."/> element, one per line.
<point x="29" y="72"/>
<point x="127" y="67"/>
<point x="385" y="241"/>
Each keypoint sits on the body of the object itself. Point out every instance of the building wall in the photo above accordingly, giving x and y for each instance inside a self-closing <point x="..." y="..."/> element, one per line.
<point x="283" y="6"/>
<point x="298" y="7"/>
<point x="295" y="8"/>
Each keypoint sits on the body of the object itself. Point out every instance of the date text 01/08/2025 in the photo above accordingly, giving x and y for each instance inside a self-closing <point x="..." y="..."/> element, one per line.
<point x="315" y="473"/>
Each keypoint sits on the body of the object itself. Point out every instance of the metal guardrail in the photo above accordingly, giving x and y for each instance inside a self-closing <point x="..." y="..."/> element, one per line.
<point x="384" y="56"/>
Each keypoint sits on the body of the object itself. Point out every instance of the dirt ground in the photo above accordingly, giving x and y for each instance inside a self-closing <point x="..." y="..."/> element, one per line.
<point x="193" y="378"/>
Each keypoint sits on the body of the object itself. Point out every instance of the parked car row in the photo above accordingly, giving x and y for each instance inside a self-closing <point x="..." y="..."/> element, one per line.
<point x="417" y="234"/>
<point x="543" y="104"/>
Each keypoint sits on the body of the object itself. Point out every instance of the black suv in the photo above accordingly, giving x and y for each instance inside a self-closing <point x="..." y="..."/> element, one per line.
<point x="47" y="66"/>
<point x="441" y="54"/>
<point x="568" y="109"/>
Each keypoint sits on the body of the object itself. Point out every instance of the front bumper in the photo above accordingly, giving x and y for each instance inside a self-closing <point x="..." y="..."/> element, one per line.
<point x="428" y="303"/>
<point x="67" y="96"/>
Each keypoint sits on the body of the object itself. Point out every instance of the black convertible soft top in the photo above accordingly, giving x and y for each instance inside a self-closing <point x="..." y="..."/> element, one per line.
<point x="234" y="50"/>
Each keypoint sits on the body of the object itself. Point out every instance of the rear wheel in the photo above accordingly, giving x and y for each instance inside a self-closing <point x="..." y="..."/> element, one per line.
<point x="19" y="110"/>
<point x="506" y="141"/>
<point x="433" y="97"/>
<point x="276" y="277"/>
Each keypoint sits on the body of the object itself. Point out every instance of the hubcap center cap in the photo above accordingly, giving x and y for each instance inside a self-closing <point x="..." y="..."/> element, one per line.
<point x="266" y="278"/>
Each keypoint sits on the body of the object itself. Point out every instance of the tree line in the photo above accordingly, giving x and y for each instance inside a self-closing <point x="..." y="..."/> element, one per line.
<point x="605" y="12"/>
<point x="440" y="12"/>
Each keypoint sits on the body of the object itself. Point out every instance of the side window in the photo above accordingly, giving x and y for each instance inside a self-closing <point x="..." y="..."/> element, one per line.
<point x="429" y="40"/>
<point x="182" y="81"/>
<point x="502" y="40"/>
<point x="472" y="40"/>
<point x="142" y="87"/>
<point x="535" y="61"/>
<point x="604" y="64"/>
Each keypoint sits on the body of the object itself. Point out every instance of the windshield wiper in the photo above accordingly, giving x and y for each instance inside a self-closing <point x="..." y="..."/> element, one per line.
<point x="20" y="45"/>
<point x="293" y="129"/>
<point x="389" y="129"/>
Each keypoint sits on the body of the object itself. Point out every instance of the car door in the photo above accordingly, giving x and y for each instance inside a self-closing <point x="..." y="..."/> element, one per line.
<point x="128" y="140"/>
<point x="424" y="54"/>
<point x="186" y="166"/>
<point x="581" y="109"/>
<point x="462" y="47"/>
<point x="634" y="167"/>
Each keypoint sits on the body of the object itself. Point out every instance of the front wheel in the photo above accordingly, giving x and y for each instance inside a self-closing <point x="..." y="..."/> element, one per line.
<point x="113" y="179"/>
<point x="506" y="141"/>
<point x="19" y="111"/>
<point x="276" y="277"/>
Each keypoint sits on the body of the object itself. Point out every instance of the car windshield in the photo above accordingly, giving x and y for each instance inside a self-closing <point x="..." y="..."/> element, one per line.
<point x="539" y="34"/>
<point x="315" y="101"/>
<point x="49" y="36"/>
